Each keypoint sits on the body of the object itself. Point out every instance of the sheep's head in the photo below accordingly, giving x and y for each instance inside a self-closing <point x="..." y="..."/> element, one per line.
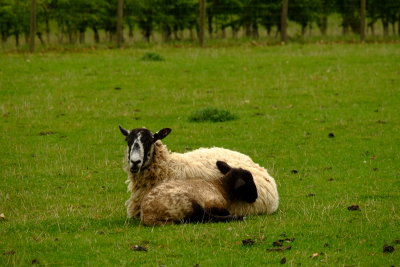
<point x="141" y="146"/>
<point x="240" y="183"/>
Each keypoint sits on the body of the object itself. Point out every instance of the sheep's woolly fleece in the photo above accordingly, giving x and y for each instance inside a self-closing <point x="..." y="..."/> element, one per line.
<point x="200" y="164"/>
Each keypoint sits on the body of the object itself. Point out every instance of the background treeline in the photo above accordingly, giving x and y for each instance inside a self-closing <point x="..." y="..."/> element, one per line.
<point x="69" y="21"/>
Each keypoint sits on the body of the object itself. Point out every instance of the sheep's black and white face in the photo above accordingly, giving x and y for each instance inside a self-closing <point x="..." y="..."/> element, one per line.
<point x="141" y="146"/>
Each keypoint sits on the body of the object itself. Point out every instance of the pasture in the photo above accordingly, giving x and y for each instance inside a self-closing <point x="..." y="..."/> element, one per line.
<point x="323" y="119"/>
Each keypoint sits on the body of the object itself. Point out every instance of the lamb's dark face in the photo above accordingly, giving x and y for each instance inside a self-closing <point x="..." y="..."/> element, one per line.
<point x="245" y="188"/>
<point x="141" y="146"/>
<point x="241" y="183"/>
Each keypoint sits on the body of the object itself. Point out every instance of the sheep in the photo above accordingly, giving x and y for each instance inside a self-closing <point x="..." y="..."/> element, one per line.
<point x="148" y="162"/>
<point x="198" y="200"/>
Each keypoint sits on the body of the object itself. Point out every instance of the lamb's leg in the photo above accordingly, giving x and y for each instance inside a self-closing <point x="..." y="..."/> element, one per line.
<point x="222" y="215"/>
<point x="199" y="214"/>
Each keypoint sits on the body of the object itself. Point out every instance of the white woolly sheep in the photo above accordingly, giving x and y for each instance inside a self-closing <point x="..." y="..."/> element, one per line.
<point x="198" y="200"/>
<point x="149" y="162"/>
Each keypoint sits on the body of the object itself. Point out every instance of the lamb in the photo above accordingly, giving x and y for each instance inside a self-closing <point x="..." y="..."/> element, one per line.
<point x="148" y="162"/>
<point x="198" y="200"/>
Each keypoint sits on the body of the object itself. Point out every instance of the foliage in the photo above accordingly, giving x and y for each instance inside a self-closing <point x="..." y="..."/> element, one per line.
<point x="170" y="18"/>
<point x="212" y="115"/>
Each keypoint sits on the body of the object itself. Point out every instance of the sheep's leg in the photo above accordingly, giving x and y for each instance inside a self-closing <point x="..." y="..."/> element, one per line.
<point x="132" y="207"/>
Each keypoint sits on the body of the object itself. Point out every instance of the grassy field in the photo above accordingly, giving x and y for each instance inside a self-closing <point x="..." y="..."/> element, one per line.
<point x="323" y="119"/>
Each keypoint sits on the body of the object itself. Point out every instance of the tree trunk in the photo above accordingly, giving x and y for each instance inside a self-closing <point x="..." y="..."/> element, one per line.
<point x="130" y="34"/>
<point x="398" y="26"/>
<point x="17" y="39"/>
<point x="345" y="27"/>
<point x="191" y="34"/>
<point x="254" y="30"/>
<point x="303" y="29"/>
<point x="146" y="34"/>
<point x="362" y="20"/>
<point x="32" y="27"/>
<point x="235" y="31"/>
<point x="269" y="30"/>
<point x="284" y="15"/>
<point x="27" y="38"/>
<point x="120" y="16"/>
<point x="47" y="28"/>
<point x="323" y="24"/>
<point x="40" y="36"/>
<point x="385" y="24"/>
<point x="210" y="25"/>
<point x="96" y="35"/>
<point x="202" y="19"/>
<point x="372" y="27"/>
<point x="4" y="37"/>
<point x="176" y="33"/>
<point x="247" y="29"/>
<point x="70" y="36"/>
<point x="81" y="36"/>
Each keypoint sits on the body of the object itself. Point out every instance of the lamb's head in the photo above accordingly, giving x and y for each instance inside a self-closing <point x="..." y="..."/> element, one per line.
<point x="240" y="183"/>
<point x="141" y="146"/>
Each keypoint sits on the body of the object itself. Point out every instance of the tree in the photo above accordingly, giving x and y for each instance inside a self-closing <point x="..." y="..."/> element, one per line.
<point x="324" y="9"/>
<point x="270" y="15"/>
<point x="146" y="13"/>
<point x="304" y="12"/>
<point x="350" y="13"/>
<point x="388" y="12"/>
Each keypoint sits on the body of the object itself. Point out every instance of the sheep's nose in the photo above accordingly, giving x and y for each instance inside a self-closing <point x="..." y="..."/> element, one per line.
<point x="135" y="165"/>
<point x="136" y="162"/>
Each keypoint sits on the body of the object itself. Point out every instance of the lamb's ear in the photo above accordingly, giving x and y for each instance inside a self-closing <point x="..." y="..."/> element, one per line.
<point x="161" y="134"/>
<point x="123" y="131"/>
<point x="223" y="167"/>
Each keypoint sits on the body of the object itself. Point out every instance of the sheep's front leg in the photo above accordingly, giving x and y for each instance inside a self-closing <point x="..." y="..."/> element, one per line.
<point x="133" y="207"/>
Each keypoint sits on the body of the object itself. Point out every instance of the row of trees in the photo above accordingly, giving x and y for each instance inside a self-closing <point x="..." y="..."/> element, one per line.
<point x="71" y="19"/>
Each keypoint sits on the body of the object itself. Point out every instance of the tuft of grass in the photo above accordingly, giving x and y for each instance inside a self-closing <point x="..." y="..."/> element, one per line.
<point x="212" y="115"/>
<point x="152" y="56"/>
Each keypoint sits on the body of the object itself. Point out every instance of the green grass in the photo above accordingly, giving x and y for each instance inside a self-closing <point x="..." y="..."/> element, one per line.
<point x="62" y="187"/>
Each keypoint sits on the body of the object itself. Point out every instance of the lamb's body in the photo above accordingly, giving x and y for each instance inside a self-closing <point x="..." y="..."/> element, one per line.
<point x="173" y="201"/>
<point x="198" y="200"/>
<point x="200" y="163"/>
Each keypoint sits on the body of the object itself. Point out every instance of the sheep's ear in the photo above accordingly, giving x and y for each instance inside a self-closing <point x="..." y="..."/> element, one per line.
<point x="123" y="131"/>
<point x="161" y="134"/>
<point x="223" y="167"/>
<point x="238" y="183"/>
